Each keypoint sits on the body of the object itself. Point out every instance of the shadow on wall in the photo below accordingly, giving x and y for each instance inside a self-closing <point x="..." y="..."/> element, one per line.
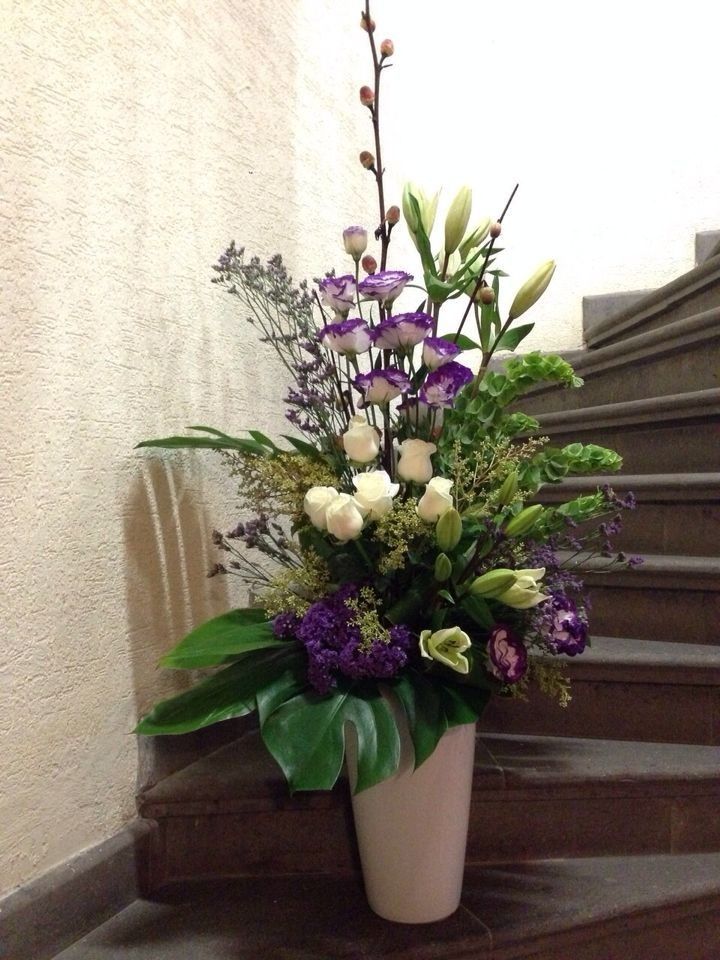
<point x="168" y="554"/>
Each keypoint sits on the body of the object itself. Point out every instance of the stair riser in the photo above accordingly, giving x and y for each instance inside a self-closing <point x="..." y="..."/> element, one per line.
<point x="705" y="298"/>
<point x="685" y="446"/>
<point x="673" y="527"/>
<point x="697" y="367"/>
<point x="504" y="825"/>
<point x="614" y="710"/>
<point x="671" y="615"/>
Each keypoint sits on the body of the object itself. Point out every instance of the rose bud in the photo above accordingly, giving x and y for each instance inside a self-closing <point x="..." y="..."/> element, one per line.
<point x="393" y="215"/>
<point x="355" y="240"/>
<point x="367" y="159"/>
<point x="495" y="230"/>
<point x="436" y="500"/>
<point x="531" y="291"/>
<point x="387" y="48"/>
<point x="369" y="263"/>
<point x="361" y="441"/>
<point x="367" y="96"/>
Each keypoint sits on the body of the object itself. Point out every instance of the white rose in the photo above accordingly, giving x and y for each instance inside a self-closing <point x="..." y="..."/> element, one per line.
<point x="415" y="460"/>
<point x="361" y="440"/>
<point x="316" y="502"/>
<point x="375" y="492"/>
<point x="524" y="593"/>
<point x="436" y="500"/>
<point x="344" y="517"/>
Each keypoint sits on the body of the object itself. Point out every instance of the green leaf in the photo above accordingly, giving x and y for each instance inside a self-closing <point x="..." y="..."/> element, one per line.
<point x="465" y="343"/>
<point x="288" y="684"/>
<point x="414" y="600"/>
<point x="478" y="610"/>
<point x="228" y="635"/>
<point x="205" y="443"/>
<point x="228" y="693"/>
<point x="307" y="738"/>
<point x="514" y="336"/>
<point x="264" y="440"/>
<point x="302" y="446"/>
<point x="462" y="704"/>
<point x="425" y="717"/>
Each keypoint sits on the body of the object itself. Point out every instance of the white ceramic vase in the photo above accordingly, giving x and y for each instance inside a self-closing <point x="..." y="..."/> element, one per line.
<point x="412" y="828"/>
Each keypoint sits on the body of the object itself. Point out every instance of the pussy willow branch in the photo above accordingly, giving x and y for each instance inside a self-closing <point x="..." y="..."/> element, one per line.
<point x="383" y="234"/>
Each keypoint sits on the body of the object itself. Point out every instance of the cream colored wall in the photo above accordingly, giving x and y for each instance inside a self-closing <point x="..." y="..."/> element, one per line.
<point x="138" y="138"/>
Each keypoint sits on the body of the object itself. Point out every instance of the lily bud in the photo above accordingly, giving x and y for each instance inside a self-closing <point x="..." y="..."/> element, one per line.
<point x="492" y="583"/>
<point x="387" y="48"/>
<point x="475" y="238"/>
<point x="427" y="207"/>
<point x="367" y="96"/>
<point x="524" y="521"/>
<point x="367" y="160"/>
<point x="496" y="230"/>
<point x="457" y="219"/>
<point x="393" y="215"/>
<point x="531" y="291"/>
<point x="508" y="489"/>
<point x="443" y="567"/>
<point x="369" y="263"/>
<point x="448" y="529"/>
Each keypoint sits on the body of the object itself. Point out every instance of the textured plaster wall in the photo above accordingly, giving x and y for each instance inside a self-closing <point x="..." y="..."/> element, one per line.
<point x="138" y="137"/>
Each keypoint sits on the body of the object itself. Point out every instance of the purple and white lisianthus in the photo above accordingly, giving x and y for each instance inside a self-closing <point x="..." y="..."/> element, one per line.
<point x="347" y="337"/>
<point x="568" y="630"/>
<point x="355" y="241"/>
<point x="437" y="352"/>
<point x="382" y="386"/>
<point x="402" y="332"/>
<point x="443" y="385"/>
<point x="338" y="293"/>
<point x="507" y="653"/>
<point x="385" y="286"/>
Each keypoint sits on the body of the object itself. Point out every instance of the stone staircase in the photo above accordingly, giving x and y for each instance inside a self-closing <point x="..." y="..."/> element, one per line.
<point x="595" y="830"/>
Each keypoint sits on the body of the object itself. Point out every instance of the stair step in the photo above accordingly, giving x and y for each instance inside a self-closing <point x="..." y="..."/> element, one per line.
<point x="658" y="435"/>
<point x="678" y="513"/>
<point x="692" y="293"/>
<point x="655" y="363"/>
<point x="230" y="813"/>
<point x="707" y="244"/>
<point x="669" y="598"/>
<point x="621" y="689"/>
<point x="587" y="909"/>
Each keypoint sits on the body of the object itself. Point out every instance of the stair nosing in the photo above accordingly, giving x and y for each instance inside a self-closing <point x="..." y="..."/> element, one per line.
<point x="657" y="301"/>
<point x="690" y="486"/>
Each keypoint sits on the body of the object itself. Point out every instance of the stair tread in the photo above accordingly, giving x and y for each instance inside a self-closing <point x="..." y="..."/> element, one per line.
<point x="663" y="486"/>
<point x="242" y="775"/>
<point x="672" y="571"/>
<point x="549" y="908"/>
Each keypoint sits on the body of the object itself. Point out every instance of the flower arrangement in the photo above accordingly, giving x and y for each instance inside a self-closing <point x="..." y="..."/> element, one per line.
<point x="393" y="546"/>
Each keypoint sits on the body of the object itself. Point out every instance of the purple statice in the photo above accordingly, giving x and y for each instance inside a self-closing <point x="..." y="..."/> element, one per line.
<point x="335" y="646"/>
<point x="443" y="385"/>
<point x="628" y="502"/>
<point x="437" y="352"/>
<point x="285" y="624"/>
<point x="402" y="332"/>
<point x="338" y="293"/>
<point x="385" y="286"/>
<point x="382" y="386"/>
<point x="507" y="654"/>
<point x="347" y="337"/>
<point x="566" y="628"/>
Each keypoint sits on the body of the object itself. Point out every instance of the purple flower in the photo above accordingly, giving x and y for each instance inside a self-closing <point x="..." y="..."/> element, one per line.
<point x="335" y="646"/>
<point x="338" y="293"/>
<point x="402" y="331"/>
<point x="507" y="653"/>
<point x="285" y="624"/>
<point x="382" y="386"/>
<point x="443" y="385"/>
<point x="437" y="352"/>
<point x="348" y="337"/>
<point x="567" y="629"/>
<point x="385" y="286"/>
